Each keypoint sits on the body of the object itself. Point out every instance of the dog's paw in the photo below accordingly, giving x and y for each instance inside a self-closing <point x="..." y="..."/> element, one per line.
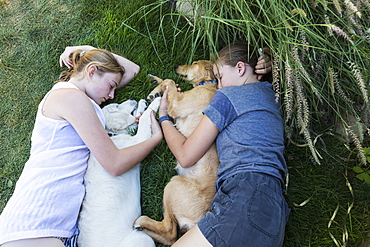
<point x="138" y="228"/>
<point x="155" y="104"/>
<point x="141" y="106"/>
<point x="139" y="222"/>
<point x="157" y="92"/>
<point x="152" y="97"/>
<point x="155" y="79"/>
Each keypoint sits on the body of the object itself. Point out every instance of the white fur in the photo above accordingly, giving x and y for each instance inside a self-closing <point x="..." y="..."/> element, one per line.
<point x="119" y="118"/>
<point x="112" y="204"/>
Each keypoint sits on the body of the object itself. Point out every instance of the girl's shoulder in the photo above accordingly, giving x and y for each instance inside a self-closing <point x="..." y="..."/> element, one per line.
<point x="62" y="100"/>
<point x="65" y="94"/>
<point x="66" y="91"/>
<point x="63" y="84"/>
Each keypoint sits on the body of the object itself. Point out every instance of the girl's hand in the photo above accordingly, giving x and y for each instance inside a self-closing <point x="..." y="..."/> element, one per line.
<point x="178" y="88"/>
<point x="156" y="128"/>
<point x="163" y="108"/>
<point x="65" y="57"/>
<point x="263" y="66"/>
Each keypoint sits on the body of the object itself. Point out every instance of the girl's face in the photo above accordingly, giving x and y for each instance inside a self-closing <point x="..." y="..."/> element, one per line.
<point x="102" y="86"/>
<point x="226" y="75"/>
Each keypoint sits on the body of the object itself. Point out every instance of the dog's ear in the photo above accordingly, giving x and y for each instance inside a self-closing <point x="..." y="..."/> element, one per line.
<point x="210" y="73"/>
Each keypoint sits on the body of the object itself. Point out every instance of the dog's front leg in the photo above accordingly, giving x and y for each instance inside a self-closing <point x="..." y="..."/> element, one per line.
<point x="141" y="106"/>
<point x="144" y="129"/>
<point x="174" y="97"/>
<point x="156" y="92"/>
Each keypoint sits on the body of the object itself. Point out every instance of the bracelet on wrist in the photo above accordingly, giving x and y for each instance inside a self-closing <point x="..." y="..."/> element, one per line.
<point x="164" y="118"/>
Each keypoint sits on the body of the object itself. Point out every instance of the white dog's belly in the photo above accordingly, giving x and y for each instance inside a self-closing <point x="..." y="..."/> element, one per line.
<point x="109" y="201"/>
<point x="112" y="204"/>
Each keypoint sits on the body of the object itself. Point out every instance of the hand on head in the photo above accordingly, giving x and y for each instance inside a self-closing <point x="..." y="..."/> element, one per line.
<point x="263" y="66"/>
<point x="65" y="57"/>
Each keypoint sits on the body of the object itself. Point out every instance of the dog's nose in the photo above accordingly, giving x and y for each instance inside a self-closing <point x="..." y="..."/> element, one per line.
<point x="175" y="67"/>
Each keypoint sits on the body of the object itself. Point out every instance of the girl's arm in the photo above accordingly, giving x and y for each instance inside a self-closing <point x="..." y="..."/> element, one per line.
<point x="188" y="150"/>
<point x="75" y="107"/>
<point x="131" y="69"/>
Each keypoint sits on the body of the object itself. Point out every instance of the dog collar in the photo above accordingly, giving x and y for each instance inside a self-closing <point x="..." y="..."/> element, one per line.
<point x="207" y="82"/>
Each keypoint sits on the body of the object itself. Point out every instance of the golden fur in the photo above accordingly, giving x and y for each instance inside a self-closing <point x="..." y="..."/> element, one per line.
<point x="188" y="196"/>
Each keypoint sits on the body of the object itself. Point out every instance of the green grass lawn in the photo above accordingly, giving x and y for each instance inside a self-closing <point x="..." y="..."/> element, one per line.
<point x="328" y="202"/>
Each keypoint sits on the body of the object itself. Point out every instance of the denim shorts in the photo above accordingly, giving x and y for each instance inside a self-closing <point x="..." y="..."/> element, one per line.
<point x="249" y="209"/>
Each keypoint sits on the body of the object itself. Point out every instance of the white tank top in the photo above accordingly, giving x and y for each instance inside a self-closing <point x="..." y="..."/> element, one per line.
<point x="50" y="190"/>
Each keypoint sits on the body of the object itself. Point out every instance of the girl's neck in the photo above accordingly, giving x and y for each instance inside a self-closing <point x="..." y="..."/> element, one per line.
<point x="251" y="79"/>
<point x="78" y="83"/>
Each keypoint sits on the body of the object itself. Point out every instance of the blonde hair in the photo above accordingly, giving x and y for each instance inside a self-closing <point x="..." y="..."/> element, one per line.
<point x="238" y="52"/>
<point x="81" y="60"/>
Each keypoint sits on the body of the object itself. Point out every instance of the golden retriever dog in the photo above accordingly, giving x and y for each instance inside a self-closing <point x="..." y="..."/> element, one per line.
<point x="188" y="196"/>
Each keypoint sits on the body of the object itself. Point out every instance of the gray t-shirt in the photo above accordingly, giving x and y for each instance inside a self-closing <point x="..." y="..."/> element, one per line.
<point x="251" y="130"/>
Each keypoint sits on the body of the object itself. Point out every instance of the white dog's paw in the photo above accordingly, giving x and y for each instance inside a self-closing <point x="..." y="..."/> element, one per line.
<point x="140" y="108"/>
<point x="155" y="104"/>
<point x="144" y="130"/>
<point x="118" y="118"/>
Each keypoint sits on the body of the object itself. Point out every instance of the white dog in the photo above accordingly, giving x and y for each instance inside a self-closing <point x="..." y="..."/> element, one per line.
<point x="112" y="204"/>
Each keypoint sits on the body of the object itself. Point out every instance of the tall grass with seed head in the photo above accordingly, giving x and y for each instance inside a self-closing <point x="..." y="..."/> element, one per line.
<point x="316" y="66"/>
<point x="320" y="53"/>
<point x="310" y="39"/>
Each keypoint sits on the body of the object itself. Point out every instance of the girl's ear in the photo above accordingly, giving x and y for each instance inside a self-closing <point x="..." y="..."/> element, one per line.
<point x="241" y="68"/>
<point x="91" y="70"/>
